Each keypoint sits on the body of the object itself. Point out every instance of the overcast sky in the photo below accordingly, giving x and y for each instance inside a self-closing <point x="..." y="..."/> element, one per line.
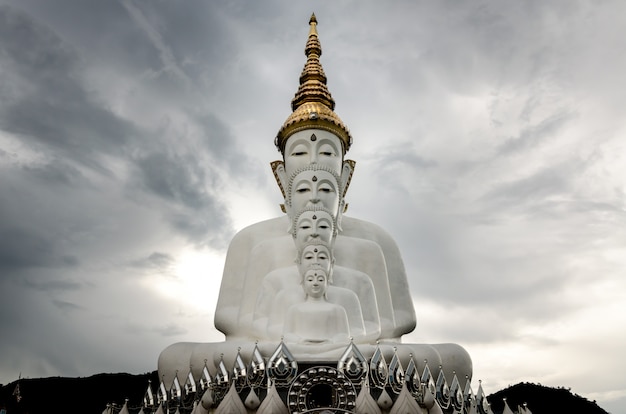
<point x="490" y="140"/>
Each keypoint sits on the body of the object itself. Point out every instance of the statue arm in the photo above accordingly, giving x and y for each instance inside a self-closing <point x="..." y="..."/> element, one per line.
<point x="402" y="302"/>
<point x="226" y="312"/>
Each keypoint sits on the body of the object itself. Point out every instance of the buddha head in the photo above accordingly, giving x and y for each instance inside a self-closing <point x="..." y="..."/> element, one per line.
<point x="313" y="222"/>
<point x="313" y="134"/>
<point x="315" y="282"/>
<point x="314" y="185"/>
<point x="316" y="252"/>
<point x="313" y="147"/>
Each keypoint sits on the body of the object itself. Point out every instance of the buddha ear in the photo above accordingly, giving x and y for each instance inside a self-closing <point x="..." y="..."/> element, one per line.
<point x="278" y="168"/>
<point x="346" y="175"/>
<point x="291" y="225"/>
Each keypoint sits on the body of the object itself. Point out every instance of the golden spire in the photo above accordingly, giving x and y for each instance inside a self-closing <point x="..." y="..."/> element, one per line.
<point x="313" y="104"/>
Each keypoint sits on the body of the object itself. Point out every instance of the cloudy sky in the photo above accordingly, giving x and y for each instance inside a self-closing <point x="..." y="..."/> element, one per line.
<point x="135" y="140"/>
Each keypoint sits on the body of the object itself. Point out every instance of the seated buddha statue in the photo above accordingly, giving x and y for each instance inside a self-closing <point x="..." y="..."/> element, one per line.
<point x="316" y="320"/>
<point x="280" y="290"/>
<point x="313" y="173"/>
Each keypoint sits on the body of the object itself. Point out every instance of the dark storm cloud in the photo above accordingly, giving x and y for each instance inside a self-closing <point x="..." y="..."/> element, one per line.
<point x="175" y="178"/>
<point x="25" y="248"/>
<point x="56" y="115"/>
<point x="44" y="98"/>
<point x="191" y="190"/>
<point x="225" y="147"/>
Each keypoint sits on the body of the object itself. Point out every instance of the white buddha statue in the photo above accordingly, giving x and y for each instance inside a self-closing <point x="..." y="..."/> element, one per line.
<point x="313" y="173"/>
<point x="316" y="320"/>
<point x="314" y="221"/>
<point x="281" y="289"/>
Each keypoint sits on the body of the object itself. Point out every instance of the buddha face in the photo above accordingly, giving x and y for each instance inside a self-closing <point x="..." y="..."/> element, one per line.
<point x="312" y="225"/>
<point x="314" y="188"/>
<point x="313" y="147"/>
<point x="315" y="283"/>
<point x="315" y="255"/>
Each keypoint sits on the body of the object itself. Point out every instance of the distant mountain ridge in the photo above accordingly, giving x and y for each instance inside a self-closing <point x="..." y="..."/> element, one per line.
<point x="76" y="395"/>
<point x="543" y="400"/>
<point x="92" y="394"/>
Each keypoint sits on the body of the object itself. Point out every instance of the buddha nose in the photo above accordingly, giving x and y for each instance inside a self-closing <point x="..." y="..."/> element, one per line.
<point x="315" y="197"/>
<point x="313" y="157"/>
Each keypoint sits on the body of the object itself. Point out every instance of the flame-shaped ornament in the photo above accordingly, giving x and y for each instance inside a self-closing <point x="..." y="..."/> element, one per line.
<point x="469" y="399"/>
<point x="456" y="394"/>
<point x="412" y="379"/>
<point x="189" y="389"/>
<point x="256" y="369"/>
<point x="443" y="390"/>
<point x="379" y="371"/>
<point x="352" y="364"/>
<point x="148" y="397"/>
<point x="481" y="398"/>
<point x="205" y="378"/>
<point x="161" y="393"/>
<point x="282" y="367"/>
<point x="396" y="373"/>
<point x="176" y="392"/>
<point x="240" y="372"/>
<point x="221" y="382"/>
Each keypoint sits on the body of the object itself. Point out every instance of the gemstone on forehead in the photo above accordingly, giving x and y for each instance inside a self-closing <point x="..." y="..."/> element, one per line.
<point x="314" y="217"/>
<point x="313" y="137"/>
<point x="314" y="178"/>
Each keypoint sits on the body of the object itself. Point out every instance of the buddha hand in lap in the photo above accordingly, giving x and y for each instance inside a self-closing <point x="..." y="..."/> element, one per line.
<point x="315" y="320"/>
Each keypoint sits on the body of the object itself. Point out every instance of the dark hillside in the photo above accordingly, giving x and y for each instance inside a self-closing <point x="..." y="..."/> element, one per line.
<point x="76" y="395"/>
<point x="542" y="400"/>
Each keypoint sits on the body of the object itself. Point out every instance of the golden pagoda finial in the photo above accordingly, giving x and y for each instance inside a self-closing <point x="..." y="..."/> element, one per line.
<point x="313" y="24"/>
<point x="313" y="104"/>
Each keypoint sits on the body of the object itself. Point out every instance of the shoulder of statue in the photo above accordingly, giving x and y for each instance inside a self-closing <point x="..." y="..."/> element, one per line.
<point x="274" y="226"/>
<point x="351" y="225"/>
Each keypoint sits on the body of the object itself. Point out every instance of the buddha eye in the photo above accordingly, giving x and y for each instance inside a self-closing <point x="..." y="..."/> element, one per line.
<point x="327" y="150"/>
<point x="299" y="150"/>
